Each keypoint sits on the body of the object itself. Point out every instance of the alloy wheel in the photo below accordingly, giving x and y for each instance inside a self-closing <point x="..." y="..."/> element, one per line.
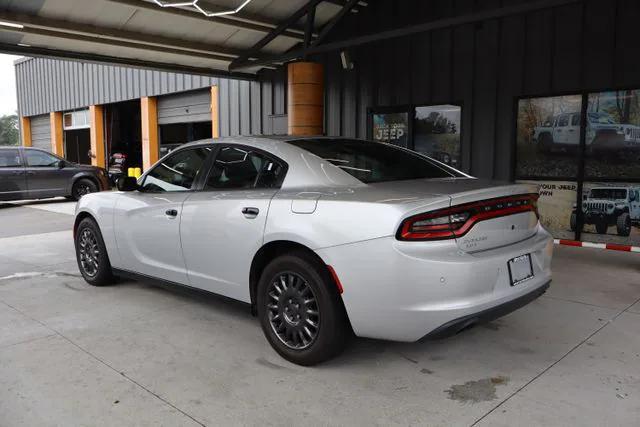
<point x="89" y="252"/>
<point x="292" y="309"/>
<point x="82" y="190"/>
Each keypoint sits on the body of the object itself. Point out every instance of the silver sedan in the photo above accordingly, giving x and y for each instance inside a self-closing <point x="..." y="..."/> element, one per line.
<point x="323" y="238"/>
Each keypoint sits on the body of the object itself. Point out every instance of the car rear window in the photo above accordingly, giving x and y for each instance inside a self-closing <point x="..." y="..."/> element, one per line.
<point x="372" y="162"/>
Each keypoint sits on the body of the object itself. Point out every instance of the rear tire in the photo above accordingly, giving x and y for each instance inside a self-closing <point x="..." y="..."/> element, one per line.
<point x="91" y="254"/>
<point x="300" y="310"/>
<point x="573" y="222"/>
<point x="623" y="225"/>
<point x="82" y="187"/>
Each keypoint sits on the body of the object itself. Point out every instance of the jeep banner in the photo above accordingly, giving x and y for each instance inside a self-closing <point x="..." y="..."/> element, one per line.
<point x="556" y="204"/>
<point x="392" y="128"/>
<point x="548" y="137"/>
<point x="611" y="213"/>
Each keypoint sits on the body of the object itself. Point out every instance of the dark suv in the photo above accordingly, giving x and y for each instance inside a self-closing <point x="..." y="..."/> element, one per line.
<point x="31" y="173"/>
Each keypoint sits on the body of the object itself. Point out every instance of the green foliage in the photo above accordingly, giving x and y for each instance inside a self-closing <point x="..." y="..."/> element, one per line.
<point x="9" y="133"/>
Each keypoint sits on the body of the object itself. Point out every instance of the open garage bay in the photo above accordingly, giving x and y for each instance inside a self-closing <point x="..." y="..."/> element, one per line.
<point x="135" y="354"/>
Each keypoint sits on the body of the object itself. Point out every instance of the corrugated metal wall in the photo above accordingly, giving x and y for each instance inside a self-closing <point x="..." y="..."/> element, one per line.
<point x="584" y="46"/>
<point x="45" y="85"/>
<point x="41" y="132"/>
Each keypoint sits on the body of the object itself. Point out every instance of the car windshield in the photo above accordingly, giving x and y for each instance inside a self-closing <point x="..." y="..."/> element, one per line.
<point x="372" y="162"/>
<point x="608" y="193"/>
<point x="603" y="119"/>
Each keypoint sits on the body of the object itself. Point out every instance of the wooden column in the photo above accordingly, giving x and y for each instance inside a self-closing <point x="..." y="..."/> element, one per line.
<point x="150" y="143"/>
<point x="57" y="134"/>
<point x="25" y="131"/>
<point x="96" y="118"/>
<point x="305" y="98"/>
<point x="215" y="113"/>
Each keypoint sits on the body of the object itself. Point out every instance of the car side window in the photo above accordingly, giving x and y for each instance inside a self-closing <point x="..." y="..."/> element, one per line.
<point x="177" y="172"/>
<point x="40" y="159"/>
<point x="10" y="159"/>
<point x="242" y="168"/>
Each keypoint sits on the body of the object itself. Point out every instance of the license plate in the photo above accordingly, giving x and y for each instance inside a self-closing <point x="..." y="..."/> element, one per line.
<point x="520" y="269"/>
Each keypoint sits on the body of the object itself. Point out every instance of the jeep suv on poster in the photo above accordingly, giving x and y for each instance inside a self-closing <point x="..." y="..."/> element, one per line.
<point x="610" y="206"/>
<point x="603" y="133"/>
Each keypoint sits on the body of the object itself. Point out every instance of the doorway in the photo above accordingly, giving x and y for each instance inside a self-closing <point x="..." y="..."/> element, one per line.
<point x="77" y="146"/>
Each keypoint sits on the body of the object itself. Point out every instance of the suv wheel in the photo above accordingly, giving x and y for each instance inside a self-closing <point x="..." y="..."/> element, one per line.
<point x="602" y="227"/>
<point x="83" y="187"/>
<point x="91" y="254"/>
<point x="623" y="225"/>
<point x="300" y="310"/>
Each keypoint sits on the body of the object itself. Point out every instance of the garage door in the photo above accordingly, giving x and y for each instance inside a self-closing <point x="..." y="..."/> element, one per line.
<point x="41" y="132"/>
<point x="185" y="107"/>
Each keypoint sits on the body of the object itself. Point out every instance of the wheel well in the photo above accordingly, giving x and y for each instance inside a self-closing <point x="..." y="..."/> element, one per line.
<point x="267" y="253"/>
<point x="80" y="217"/>
<point x="87" y="177"/>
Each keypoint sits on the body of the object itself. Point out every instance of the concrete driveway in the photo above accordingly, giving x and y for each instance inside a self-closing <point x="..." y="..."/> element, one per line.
<point x="134" y="354"/>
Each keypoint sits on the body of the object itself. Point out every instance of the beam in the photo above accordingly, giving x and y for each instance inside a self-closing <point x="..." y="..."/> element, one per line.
<point x="25" y="131"/>
<point x="149" y="124"/>
<point x="215" y="113"/>
<point x="241" y="20"/>
<point x="350" y="4"/>
<point x="60" y="28"/>
<point x="295" y="17"/>
<point x="57" y="134"/>
<point x="42" y="52"/>
<point x="96" y="134"/>
<point x="501" y="12"/>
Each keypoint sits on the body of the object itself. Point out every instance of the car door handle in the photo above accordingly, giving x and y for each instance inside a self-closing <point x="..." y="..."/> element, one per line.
<point x="250" y="212"/>
<point x="172" y="213"/>
<point x="18" y="172"/>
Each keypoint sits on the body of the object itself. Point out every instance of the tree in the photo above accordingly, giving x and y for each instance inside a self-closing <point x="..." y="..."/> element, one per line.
<point x="9" y="133"/>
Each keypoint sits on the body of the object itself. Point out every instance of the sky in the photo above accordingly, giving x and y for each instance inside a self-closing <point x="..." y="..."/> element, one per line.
<point x="8" y="103"/>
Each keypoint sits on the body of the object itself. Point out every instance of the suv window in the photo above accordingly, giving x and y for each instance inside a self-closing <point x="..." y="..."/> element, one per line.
<point x="10" y="159"/>
<point x="372" y="162"/>
<point x="40" y="159"/>
<point x="241" y="167"/>
<point x="177" y="172"/>
<point x="575" y="120"/>
<point x="563" y="120"/>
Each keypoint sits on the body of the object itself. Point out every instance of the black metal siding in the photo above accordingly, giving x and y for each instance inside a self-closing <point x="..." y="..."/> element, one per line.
<point x="484" y="66"/>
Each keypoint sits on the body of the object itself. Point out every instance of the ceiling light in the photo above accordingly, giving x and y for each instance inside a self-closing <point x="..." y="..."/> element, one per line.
<point x="11" y="24"/>
<point x="194" y="4"/>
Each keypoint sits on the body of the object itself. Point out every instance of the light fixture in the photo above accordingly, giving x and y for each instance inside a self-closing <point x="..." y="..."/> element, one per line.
<point x="194" y="4"/>
<point x="11" y="24"/>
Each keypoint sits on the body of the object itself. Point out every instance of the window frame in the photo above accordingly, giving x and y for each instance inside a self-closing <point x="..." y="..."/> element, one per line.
<point x="26" y="164"/>
<point x="20" y="157"/>
<point x="197" y="182"/>
<point x="214" y="157"/>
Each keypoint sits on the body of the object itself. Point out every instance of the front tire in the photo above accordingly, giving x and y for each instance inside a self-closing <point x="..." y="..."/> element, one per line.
<point x="300" y="310"/>
<point x="91" y="254"/>
<point x="602" y="227"/>
<point x="83" y="187"/>
<point x="623" y="225"/>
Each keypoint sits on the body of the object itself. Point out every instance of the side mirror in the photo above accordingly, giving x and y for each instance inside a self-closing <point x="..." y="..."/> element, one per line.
<point x="127" y="183"/>
<point x="62" y="164"/>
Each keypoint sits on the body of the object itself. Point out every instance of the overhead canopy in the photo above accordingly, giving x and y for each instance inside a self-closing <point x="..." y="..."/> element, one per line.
<point x="155" y="34"/>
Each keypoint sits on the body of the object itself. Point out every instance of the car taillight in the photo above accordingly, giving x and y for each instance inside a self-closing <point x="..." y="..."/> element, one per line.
<point x="456" y="221"/>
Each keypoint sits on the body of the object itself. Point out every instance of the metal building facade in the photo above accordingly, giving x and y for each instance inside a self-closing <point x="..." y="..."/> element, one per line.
<point x="45" y="85"/>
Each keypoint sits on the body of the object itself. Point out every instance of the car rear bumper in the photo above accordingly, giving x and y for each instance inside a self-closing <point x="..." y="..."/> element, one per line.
<point x="458" y="325"/>
<point x="404" y="291"/>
